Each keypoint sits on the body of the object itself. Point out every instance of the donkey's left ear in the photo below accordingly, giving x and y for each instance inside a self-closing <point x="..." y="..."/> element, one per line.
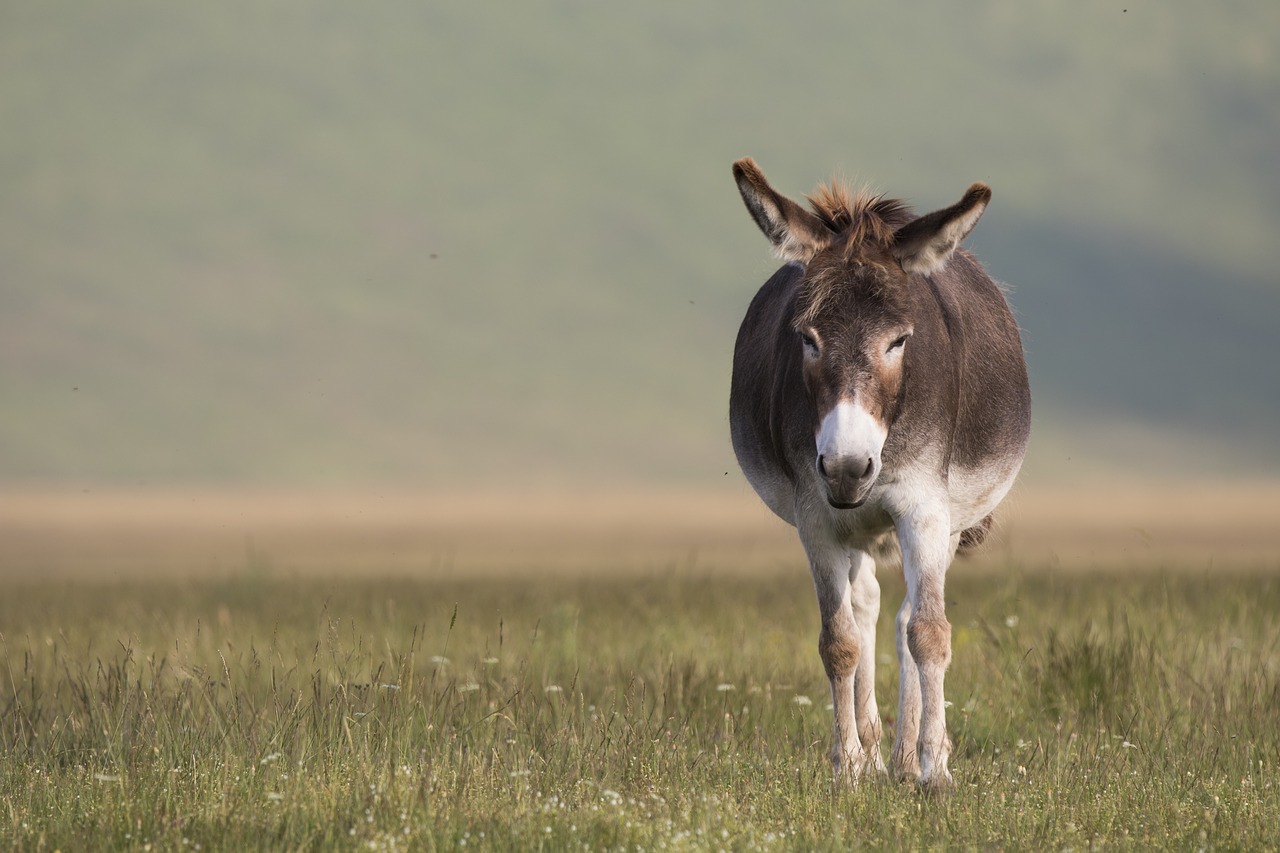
<point x="925" y="245"/>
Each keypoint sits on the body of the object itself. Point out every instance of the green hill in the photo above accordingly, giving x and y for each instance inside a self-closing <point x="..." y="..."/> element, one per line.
<point x="439" y="244"/>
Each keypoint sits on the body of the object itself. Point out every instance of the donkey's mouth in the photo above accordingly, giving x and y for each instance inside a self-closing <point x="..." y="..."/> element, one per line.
<point x="844" y="505"/>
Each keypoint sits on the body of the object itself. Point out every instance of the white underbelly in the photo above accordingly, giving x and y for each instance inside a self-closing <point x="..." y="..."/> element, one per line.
<point x="975" y="493"/>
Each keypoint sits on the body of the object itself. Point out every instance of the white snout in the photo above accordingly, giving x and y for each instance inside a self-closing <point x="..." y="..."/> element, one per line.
<point x="851" y="434"/>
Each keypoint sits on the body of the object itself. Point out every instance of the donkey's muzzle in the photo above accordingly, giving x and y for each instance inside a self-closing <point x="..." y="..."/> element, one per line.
<point x="848" y="479"/>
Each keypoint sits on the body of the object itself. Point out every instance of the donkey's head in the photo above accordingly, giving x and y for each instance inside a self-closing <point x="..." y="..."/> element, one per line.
<point x="854" y="313"/>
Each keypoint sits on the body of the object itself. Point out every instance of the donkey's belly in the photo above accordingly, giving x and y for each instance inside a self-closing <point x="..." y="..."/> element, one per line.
<point x="976" y="492"/>
<point x="774" y="489"/>
<point x="769" y="482"/>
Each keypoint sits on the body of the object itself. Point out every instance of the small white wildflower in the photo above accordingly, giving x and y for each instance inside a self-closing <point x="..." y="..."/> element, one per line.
<point x="1011" y="620"/>
<point x="1127" y="745"/>
<point x="553" y="688"/>
<point x="106" y="777"/>
<point x="490" y="661"/>
<point x="389" y="686"/>
<point x="725" y="687"/>
<point x="274" y="795"/>
<point x="267" y="759"/>
<point x="947" y="703"/>
<point x="439" y="660"/>
<point x="469" y="687"/>
<point x="802" y="700"/>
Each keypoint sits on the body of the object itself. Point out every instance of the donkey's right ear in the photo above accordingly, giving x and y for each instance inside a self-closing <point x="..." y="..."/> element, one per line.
<point x="796" y="234"/>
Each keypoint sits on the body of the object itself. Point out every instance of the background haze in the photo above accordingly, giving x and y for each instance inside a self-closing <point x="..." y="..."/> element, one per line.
<point x="497" y="245"/>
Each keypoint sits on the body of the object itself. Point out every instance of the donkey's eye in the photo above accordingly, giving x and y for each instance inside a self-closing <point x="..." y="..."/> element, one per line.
<point x="898" y="344"/>
<point x="810" y="345"/>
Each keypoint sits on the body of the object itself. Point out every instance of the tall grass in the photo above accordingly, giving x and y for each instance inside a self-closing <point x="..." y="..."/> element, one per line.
<point x="667" y="712"/>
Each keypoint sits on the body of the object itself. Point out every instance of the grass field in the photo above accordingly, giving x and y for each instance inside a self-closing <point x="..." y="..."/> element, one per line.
<point x="673" y="703"/>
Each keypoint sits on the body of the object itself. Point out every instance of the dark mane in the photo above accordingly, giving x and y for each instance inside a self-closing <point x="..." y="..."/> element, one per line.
<point x="859" y="216"/>
<point x="859" y="219"/>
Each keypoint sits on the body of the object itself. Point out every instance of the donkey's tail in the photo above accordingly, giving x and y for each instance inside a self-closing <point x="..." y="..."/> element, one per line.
<point x="972" y="537"/>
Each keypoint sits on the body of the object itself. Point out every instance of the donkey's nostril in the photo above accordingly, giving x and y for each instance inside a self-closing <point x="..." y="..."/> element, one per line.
<point x="822" y="465"/>
<point x="866" y="472"/>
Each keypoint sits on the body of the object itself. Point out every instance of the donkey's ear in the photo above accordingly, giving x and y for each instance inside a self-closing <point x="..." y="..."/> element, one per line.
<point x="925" y="245"/>
<point x="796" y="234"/>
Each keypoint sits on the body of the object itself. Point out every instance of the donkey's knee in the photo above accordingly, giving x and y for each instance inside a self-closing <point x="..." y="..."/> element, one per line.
<point x="929" y="641"/>
<point x="838" y="645"/>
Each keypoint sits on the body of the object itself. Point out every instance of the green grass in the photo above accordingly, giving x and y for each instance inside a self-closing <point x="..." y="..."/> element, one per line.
<point x="652" y="713"/>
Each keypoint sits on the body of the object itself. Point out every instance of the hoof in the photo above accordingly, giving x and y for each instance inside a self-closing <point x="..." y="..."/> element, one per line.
<point x="938" y="785"/>
<point x="906" y="770"/>
<point x="848" y="775"/>
<point x="873" y="764"/>
<point x="851" y="769"/>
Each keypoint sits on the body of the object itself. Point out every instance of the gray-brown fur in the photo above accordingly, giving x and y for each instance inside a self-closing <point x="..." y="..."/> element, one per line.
<point x="879" y="389"/>
<point x="964" y="365"/>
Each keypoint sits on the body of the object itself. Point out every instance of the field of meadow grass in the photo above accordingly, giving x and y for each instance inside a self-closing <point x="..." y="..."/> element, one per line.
<point x="664" y="711"/>
<point x="302" y="687"/>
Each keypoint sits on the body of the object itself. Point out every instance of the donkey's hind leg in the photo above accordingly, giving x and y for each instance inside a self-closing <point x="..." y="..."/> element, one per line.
<point x="866" y="613"/>
<point x="904" y="760"/>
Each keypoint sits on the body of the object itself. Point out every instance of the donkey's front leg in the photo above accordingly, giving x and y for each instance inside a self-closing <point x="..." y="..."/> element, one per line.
<point x="927" y="547"/>
<point x="840" y="648"/>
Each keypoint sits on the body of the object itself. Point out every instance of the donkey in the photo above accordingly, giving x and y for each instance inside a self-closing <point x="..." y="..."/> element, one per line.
<point x="879" y="391"/>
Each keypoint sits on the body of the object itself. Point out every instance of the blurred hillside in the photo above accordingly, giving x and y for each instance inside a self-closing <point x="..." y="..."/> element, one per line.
<point x="442" y="244"/>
